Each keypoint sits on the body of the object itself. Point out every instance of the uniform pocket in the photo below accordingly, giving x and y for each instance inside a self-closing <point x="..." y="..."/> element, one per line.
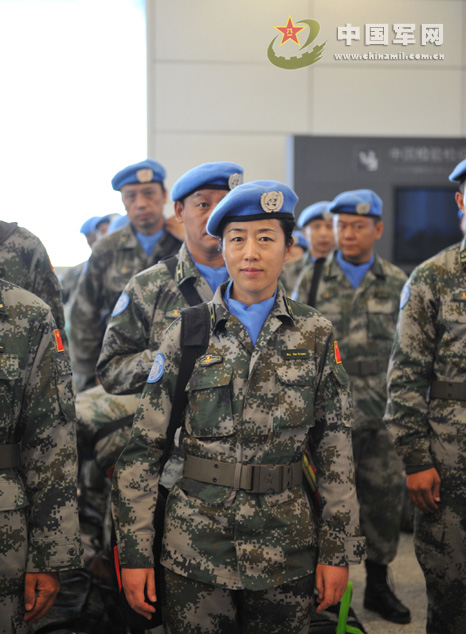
<point x="209" y="395"/>
<point x="381" y="318"/>
<point x="295" y="393"/>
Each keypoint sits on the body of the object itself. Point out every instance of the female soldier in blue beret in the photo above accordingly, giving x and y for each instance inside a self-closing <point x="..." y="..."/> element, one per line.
<point x="242" y="549"/>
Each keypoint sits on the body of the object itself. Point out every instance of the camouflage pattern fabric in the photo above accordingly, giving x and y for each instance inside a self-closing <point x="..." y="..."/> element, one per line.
<point x="255" y="405"/>
<point x="94" y="410"/>
<point x="430" y="344"/>
<point x="292" y="270"/>
<point x="134" y="335"/>
<point x="25" y="262"/>
<point x="200" y="607"/>
<point x="39" y="529"/>
<point x="114" y="260"/>
<point x="364" y="320"/>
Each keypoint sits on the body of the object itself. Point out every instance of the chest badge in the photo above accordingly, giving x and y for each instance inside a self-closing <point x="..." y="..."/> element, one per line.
<point x="210" y="359"/>
<point x="292" y="355"/>
<point x="460" y="297"/>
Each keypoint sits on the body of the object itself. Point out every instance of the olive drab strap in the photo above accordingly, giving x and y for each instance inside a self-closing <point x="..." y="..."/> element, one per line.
<point x="187" y="288"/>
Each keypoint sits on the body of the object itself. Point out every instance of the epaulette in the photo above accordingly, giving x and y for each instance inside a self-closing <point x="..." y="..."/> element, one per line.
<point x="288" y="306"/>
<point x="179" y="273"/>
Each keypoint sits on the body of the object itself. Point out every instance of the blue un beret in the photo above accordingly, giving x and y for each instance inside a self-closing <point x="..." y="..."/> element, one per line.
<point x="89" y="226"/>
<point x="147" y="171"/>
<point x="300" y="240"/>
<point x="317" y="211"/>
<point x="220" y="175"/>
<point x="360" y="202"/>
<point x="253" y="201"/>
<point x="459" y="173"/>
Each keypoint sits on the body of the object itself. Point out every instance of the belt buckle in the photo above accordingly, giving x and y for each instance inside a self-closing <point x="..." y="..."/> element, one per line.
<point x="269" y="479"/>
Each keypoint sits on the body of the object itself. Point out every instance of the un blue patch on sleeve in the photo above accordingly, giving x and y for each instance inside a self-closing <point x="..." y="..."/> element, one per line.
<point x="158" y="367"/>
<point x="121" y="305"/>
<point x="405" y="295"/>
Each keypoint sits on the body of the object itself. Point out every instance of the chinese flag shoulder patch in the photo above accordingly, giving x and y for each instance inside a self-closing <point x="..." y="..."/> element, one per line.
<point x="58" y="340"/>
<point x="337" y="352"/>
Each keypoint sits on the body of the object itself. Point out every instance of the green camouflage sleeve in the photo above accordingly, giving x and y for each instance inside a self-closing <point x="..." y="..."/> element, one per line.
<point x="46" y="285"/>
<point x="85" y="322"/>
<point x="48" y="454"/>
<point x="410" y="370"/>
<point x="331" y="448"/>
<point x="136" y="476"/>
<point x="125" y="360"/>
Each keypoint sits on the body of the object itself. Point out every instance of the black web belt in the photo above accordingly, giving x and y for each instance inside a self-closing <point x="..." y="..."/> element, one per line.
<point x="366" y="367"/>
<point x="449" y="390"/>
<point x="254" y="478"/>
<point x="9" y="456"/>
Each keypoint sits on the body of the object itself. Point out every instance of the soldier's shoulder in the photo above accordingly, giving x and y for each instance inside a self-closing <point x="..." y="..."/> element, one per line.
<point x="308" y="314"/>
<point x="439" y="266"/>
<point x="154" y="275"/>
<point x="392" y="271"/>
<point x="16" y="299"/>
<point x="26" y="239"/>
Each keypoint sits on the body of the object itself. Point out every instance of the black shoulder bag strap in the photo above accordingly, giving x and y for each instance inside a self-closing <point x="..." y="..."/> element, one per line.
<point x="187" y="288"/>
<point x="318" y="266"/>
<point x="195" y="333"/>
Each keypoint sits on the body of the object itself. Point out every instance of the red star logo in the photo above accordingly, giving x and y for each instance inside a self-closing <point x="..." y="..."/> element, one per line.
<point x="290" y="31"/>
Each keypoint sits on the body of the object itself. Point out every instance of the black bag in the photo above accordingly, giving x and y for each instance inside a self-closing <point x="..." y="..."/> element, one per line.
<point x="195" y="332"/>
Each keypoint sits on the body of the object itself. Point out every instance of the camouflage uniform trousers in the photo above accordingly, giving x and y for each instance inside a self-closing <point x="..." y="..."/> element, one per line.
<point x="440" y="545"/>
<point x="194" y="607"/>
<point x="379" y="486"/>
<point x="12" y="565"/>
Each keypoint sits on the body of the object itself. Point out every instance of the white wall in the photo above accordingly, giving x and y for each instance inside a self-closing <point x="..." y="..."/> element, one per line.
<point x="214" y="95"/>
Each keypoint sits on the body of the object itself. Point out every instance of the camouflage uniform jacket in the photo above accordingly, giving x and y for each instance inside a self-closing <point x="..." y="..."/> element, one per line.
<point x="430" y="344"/>
<point x="292" y="270"/>
<point x="37" y="412"/>
<point x="134" y="335"/>
<point x="113" y="262"/>
<point x="364" y="320"/>
<point x="254" y="405"/>
<point x="25" y="262"/>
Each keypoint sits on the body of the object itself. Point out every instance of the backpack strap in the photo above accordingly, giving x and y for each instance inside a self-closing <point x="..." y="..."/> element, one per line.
<point x="195" y="334"/>
<point x="187" y="288"/>
<point x="318" y="266"/>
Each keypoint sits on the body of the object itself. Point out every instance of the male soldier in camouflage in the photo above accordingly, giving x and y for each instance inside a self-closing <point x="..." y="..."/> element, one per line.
<point x="25" y="262"/>
<point x="241" y="556"/>
<point x="154" y="298"/>
<point x="316" y="225"/>
<point x="359" y="292"/>
<point x="115" y="259"/>
<point x="39" y="532"/>
<point x="426" y="414"/>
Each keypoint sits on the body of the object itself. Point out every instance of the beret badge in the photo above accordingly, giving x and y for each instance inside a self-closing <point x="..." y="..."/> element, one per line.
<point x="145" y="175"/>
<point x="234" y="180"/>
<point x="272" y="201"/>
<point x="363" y="209"/>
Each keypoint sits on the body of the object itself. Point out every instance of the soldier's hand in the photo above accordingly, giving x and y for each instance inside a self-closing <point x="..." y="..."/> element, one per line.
<point x="40" y="592"/>
<point x="331" y="583"/>
<point x="424" y="489"/>
<point x="135" y="581"/>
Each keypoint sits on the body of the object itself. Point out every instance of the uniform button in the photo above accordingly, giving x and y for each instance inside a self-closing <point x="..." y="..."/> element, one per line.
<point x="72" y="552"/>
